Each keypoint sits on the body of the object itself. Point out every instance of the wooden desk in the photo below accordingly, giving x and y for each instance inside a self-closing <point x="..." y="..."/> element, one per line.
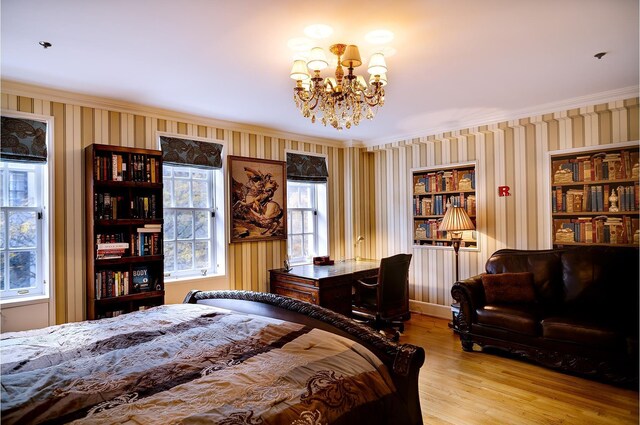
<point x="327" y="286"/>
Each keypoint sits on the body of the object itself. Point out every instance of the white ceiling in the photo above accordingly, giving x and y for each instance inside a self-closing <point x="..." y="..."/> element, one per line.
<point x="458" y="62"/>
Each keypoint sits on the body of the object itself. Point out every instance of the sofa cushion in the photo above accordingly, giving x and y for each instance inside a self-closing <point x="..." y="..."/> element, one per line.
<point x="545" y="265"/>
<point x="520" y="318"/>
<point x="581" y="330"/>
<point x="505" y="288"/>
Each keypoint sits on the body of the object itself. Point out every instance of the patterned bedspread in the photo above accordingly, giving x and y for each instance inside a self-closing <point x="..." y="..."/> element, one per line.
<point x="189" y="363"/>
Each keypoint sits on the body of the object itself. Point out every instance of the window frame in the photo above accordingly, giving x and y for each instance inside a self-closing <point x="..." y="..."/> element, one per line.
<point x="47" y="226"/>
<point x="219" y="243"/>
<point x="319" y="210"/>
<point x="214" y="269"/>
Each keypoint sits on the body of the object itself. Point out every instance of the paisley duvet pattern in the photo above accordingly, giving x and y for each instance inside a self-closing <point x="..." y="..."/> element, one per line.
<point x="191" y="364"/>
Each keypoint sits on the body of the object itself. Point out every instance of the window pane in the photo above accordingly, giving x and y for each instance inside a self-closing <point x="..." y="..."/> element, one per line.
<point x="293" y="198"/>
<point x="309" y="248"/>
<point x="198" y="174"/>
<point x="21" y="189"/>
<point x="169" y="225"/>
<point x="2" y="200"/>
<point x="306" y="201"/>
<point x="184" y="225"/>
<point x="22" y="269"/>
<point x="169" y="256"/>
<point x="2" y="287"/>
<point x="295" y="247"/>
<point x="184" y="255"/>
<point x="181" y="192"/>
<point x="202" y="224"/>
<point x="22" y="229"/>
<point x="2" y="229"/>
<point x="167" y="192"/>
<point x="167" y="171"/>
<point x="180" y="173"/>
<point x="296" y="222"/>
<point x="202" y="255"/>
<point x="308" y="221"/>
<point x="200" y="194"/>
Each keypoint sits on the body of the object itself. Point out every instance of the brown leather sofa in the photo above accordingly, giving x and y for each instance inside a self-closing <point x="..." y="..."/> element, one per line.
<point x="573" y="309"/>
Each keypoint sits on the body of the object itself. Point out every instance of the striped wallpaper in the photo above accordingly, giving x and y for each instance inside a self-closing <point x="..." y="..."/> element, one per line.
<point x="78" y="124"/>
<point x="369" y="188"/>
<point x="514" y="154"/>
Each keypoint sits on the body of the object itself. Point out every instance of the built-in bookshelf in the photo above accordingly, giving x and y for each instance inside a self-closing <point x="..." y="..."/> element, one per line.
<point x="594" y="196"/>
<point x="123" y="230"/>
<point x="433" y="189"/>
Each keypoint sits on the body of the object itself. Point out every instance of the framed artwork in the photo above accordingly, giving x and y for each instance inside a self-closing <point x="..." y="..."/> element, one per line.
<point x="258" y="199"/>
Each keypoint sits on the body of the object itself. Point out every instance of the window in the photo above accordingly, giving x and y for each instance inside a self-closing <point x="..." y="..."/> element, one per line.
<point x="22" y="230"/>
<point x="307" y="220"/>
<point x="190" y="227"/>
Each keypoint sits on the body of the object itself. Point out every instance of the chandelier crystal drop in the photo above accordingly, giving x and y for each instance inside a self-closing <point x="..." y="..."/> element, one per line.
<point x="340" y="100"/>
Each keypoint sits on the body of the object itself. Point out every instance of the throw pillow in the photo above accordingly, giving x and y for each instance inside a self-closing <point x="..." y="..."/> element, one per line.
<point x="509" y="288"/>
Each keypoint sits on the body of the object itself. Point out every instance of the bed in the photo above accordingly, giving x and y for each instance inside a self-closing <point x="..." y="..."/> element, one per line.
<point x="221" y="357"/>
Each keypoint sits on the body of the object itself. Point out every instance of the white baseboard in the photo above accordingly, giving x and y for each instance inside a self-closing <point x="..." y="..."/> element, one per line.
<point x="435" y="310"/>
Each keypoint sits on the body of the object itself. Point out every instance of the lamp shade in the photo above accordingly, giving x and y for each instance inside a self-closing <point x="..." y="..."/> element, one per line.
<point x="317" y="59"/>
<point x="377" y="64"/>
<point x="299" y="71"/>
<point x="456" y="219"/>
<point x="361" y="81"/>
<point x="351" y="57"/>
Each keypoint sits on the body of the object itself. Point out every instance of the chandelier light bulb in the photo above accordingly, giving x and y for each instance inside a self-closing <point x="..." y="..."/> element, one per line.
<point x="382" y="78"/>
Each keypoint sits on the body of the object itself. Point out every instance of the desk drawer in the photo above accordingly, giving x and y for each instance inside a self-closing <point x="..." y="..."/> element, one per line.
<point x="295" y="291"/>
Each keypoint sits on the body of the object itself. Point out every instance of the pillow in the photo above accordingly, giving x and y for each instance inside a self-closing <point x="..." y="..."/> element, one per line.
<point x="509" y="288"/>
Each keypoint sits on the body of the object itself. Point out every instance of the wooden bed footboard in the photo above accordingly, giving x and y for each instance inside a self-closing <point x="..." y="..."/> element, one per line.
<point x="402" y="360"/>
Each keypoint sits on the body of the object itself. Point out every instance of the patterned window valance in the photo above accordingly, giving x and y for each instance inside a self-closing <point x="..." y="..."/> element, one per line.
<point x="191" y="152"/>
<point x="309" y="168"/>
<point x="23" y="140"/>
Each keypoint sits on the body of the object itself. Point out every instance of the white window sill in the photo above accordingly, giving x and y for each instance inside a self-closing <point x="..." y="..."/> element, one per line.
<point x="183" y="279"/>
<point x="17" y="302"/>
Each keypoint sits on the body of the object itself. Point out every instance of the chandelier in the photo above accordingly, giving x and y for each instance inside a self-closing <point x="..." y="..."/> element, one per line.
<point x="341" y="100"/>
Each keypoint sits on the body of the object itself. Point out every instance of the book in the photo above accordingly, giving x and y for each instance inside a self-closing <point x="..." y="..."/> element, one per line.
<point x="149" y="229"/>
<point x="140" y="279"/>
<point x="113" y="245"/>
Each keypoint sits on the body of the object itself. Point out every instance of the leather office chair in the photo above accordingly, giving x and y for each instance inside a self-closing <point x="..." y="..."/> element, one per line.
<point x="383" y="301"/>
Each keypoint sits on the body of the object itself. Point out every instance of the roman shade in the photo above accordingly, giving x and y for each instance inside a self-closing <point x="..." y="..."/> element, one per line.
<point x="23" y="140"/>
<point x="191" y="152"/>
<point x="309" y="168"/>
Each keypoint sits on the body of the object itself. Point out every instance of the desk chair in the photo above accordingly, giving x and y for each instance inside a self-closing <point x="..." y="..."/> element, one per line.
<point x="383" y="301"/>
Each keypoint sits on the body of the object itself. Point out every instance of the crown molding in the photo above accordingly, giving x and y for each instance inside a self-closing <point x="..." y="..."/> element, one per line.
<point x="57" y="95"/>
<point x="90" y="101"/>
<point x="494" y="118"/>
<point x="354" y="144"/>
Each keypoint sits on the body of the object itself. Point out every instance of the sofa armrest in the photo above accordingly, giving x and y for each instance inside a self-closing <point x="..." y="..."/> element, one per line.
<point x="469" y="293"/>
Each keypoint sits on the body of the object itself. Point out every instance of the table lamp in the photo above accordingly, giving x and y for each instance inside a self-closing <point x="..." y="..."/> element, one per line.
<point x="455" y="221"/>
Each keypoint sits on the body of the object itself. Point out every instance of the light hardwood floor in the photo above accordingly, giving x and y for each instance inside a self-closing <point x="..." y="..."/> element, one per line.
<point x="460" y="388"/>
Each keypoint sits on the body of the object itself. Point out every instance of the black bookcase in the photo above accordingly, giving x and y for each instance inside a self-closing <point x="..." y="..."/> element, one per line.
<point x="124" y="218"/>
